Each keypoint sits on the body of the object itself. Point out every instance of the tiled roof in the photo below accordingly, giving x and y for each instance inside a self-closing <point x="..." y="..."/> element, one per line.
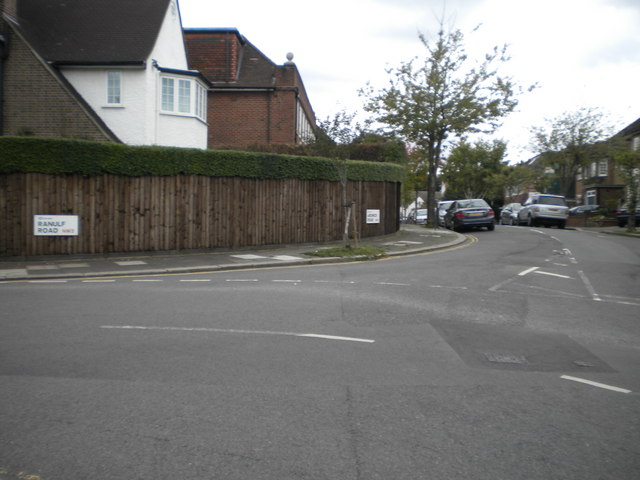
<point x="89" y="32"/>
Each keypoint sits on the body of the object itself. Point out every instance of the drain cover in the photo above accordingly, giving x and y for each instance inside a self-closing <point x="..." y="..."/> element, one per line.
<point x="505" y="358"/>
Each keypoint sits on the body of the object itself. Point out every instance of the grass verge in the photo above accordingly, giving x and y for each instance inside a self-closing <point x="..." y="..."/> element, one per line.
<point x="366" y="253"/>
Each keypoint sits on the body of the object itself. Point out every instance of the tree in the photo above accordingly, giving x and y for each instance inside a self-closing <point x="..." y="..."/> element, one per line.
<point x="570" y="142"/>
<point x="443" y="96"/>
<point x="628" y="164"/>
<point x="416" y="179"/>
<point x="476" y="171"/>
<point x="334" y="139"/>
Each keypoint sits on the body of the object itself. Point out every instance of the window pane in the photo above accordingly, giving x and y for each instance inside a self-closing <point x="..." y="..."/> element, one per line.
<point x="114" y="87"/>
<point x="167" y="94"/>
<point x="184" y="96"/>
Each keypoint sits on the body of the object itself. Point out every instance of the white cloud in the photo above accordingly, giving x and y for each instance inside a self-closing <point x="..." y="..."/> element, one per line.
<point x="583" y="53"/>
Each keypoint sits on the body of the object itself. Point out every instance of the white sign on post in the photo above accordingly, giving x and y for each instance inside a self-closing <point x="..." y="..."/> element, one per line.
<point x="55" y="226"/>
<point x="373" y="216"/>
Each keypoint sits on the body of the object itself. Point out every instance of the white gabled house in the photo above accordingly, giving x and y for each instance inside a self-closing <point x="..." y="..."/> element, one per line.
<point x="123" y="61"/>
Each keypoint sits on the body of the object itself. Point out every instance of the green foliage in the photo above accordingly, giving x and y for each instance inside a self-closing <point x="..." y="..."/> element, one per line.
<point x="364" y="253"/>
<point x="570" y="142"/>
<point x="476" y="171"/>
<point x="445" y="95"/>
<point x="59" y="156"/>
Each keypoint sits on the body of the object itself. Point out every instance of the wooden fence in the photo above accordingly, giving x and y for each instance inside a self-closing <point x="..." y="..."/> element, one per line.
<point x="168" y="213"/>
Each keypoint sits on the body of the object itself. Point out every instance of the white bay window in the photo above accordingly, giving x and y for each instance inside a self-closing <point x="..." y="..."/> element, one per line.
<point x="183" y="96"/>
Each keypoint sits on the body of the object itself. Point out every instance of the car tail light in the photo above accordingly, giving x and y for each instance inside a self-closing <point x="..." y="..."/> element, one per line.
<point x="459" y="214"/>
<point x="491" y="213"/>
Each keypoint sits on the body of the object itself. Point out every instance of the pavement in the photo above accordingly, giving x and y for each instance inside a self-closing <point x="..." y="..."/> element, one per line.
<point x="410" y="239"/>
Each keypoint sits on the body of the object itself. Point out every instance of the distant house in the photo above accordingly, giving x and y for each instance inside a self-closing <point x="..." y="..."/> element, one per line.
<point x="251" y="99"/>
<point x="104" y="70"/>
<point x="600" y="183"/>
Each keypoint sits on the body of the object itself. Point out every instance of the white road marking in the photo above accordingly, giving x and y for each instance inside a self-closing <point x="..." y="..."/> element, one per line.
<point x="241" y="280"/>
<point x="448" y="286"/>
<point x="196" y="280"/>
<point x="596" y="384"/>
<point x="527" y="271"/>
<point x="98" y="281"/>
<point x="147" y="281"/>
<point x="394" y="284"/>
<point x="251" y="332"/>
<point x="551" y="274"/>
<point x="124" y="263"/>
<point x="286" y="281"/>
<point x="248" y="256"/>
<point x="590" y="288"/>
<point x="47" y="281"/>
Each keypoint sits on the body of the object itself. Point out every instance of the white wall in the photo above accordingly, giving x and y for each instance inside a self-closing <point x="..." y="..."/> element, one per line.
<point x="138" y="121"/>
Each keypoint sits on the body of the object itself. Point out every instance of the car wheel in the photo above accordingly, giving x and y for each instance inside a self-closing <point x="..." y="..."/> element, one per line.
<point x="491" y="227"/>
<point x="530" y="221"/>
<point x="514" y="222"/>
<point x="561" y="224"/>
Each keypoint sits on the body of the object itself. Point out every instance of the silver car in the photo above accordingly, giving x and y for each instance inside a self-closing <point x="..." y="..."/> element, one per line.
<point x="544" y="209"/>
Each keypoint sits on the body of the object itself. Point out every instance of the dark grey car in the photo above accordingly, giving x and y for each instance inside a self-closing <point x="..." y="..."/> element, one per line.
<point x="469" y="213"/>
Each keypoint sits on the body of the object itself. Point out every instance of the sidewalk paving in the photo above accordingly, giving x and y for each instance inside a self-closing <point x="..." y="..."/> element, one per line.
<point x="409" y="239"/>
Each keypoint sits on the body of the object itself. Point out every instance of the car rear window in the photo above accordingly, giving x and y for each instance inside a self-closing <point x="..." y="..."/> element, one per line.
<point x="552" y="200"/>
<point x="472" y="203"/>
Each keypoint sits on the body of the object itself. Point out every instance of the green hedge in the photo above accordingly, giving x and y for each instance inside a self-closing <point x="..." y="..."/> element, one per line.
<point x="60" y="156"/>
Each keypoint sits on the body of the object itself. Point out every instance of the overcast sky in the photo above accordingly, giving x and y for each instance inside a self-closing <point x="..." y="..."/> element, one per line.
<point x="581" y="53"/>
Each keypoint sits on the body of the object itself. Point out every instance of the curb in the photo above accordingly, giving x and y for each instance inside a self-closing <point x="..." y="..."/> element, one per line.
<point x="459" y="240"/>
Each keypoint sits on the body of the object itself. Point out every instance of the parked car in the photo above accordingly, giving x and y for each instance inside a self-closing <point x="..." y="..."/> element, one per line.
<point x="583" y="209"/>
<point x="421" y="216"/>
<point x="509" y="214"/>
<point x="469" y="213"/>
<point x="622" y="216"/>
<point x="544" y="209"/>
<point x="442" y="210"/>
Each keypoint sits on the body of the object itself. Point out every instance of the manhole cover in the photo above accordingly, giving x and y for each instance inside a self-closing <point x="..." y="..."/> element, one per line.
<point x="505" y="358"/>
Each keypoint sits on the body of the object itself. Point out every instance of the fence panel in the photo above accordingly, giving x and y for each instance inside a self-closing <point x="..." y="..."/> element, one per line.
<point x="168" y="213"/>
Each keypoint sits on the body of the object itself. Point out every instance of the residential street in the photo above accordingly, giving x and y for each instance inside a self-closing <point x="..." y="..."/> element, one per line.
<point x="513" y="356"/>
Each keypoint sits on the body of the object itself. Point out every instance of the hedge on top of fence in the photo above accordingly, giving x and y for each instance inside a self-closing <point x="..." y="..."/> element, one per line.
<point x="62" y="156"/>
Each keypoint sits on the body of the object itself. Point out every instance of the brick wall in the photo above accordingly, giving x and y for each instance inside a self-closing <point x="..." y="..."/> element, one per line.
<point x="35" y="103"/>
<point x="216" y="57"/>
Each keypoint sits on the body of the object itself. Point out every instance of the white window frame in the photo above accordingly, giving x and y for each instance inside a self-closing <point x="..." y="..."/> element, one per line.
<point x="304" y="129"/>
<point x="183" y="96"/>
<point x="603" y="168"/>
<point x="111" y="88"/>
<point x="591" y="197"/>
<point x="635" y="143"/>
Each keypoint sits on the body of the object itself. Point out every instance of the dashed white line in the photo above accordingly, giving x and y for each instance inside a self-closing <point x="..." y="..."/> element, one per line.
<point x="527" y="271"/>
<point x="596" y="384"/>
<point x="551" y="274"/>
<point x="239" y="280"/>
<point x="98" y="281"/>
<point x="394" y="284"/>
<point x="590" y="288"/>
<point x="195" y="280"/>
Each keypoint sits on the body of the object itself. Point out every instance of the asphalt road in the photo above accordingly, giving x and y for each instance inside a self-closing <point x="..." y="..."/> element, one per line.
<point x="517" y="357"/>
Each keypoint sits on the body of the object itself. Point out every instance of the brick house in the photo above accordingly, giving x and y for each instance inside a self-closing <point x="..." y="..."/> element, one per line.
<point x="102" y="70"/>
<point x="600" y="183"/>
<point x="251" y="99"/>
